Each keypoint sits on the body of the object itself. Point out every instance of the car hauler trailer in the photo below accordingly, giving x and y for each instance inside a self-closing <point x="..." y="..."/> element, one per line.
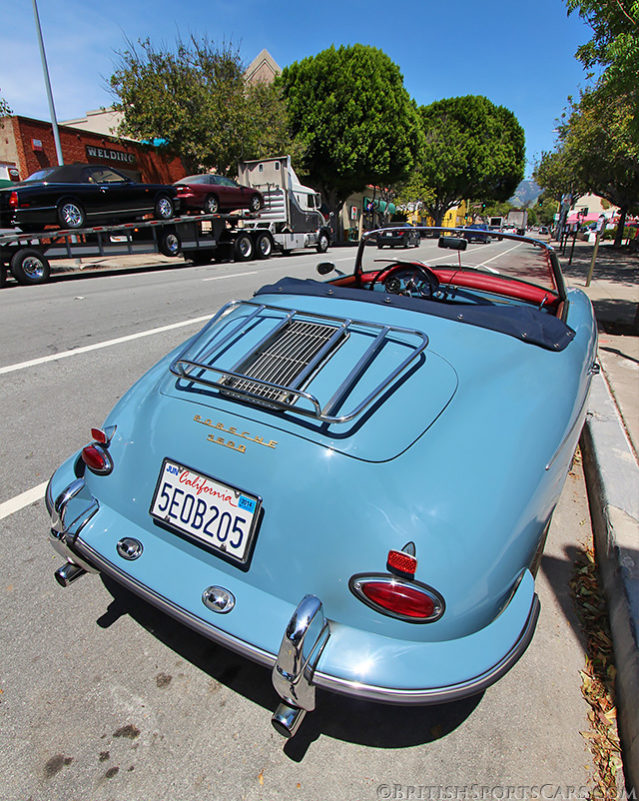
<point x="199" y="238"/>
<point x="291" y="213"/>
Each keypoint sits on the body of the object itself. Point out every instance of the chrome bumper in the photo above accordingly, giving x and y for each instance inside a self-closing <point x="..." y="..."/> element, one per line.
<point x="70" y="512"/>
<point x="294" y="669"/>
<point x="304" y="639"/>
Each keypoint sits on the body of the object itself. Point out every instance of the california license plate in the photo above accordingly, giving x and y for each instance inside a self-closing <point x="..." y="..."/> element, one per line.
<point x="219" y="515"/>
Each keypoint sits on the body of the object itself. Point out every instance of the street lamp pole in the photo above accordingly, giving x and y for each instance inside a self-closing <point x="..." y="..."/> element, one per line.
<point x="47" y="82"/>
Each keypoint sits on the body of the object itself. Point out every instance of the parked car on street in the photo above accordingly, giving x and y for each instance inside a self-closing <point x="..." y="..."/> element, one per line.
<point x="477" y="232"/>
<point x="349" y="481"/>
<point x="398" y="235"/>
<point x="212" y="193"/>
<point x="77" y="195"/>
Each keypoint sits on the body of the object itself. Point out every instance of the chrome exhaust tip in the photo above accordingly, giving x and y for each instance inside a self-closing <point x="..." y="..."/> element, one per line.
<point x="67" y="573"/>
<point x="287" y="719"/>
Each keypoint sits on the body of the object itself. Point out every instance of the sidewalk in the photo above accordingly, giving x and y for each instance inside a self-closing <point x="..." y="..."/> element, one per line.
<point x="610" y="446"/>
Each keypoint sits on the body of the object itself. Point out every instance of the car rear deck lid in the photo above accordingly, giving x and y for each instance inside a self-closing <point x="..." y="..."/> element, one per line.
<point x="276" y="356"/>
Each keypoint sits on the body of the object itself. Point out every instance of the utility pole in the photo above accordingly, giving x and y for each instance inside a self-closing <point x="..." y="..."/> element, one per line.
<point x="47" y="82"/>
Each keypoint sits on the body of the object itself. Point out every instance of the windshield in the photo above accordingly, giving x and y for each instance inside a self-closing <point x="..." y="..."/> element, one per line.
<point x="467" y="251"/>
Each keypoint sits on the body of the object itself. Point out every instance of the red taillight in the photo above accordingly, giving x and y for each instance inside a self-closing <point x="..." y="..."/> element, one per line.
<point x="99" y="436"/>
<point x="411" y="601"/>
<point x="13" y="200"/>
<point x="403" y="600"/>
<point x="97" y="459"/>
<point x="401" y="562"/>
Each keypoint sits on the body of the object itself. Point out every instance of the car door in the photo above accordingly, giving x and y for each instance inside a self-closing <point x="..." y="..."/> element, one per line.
<point x="221" y="190"/>
<point x="120" y="196"/>
<point x="89" y="195"/>
<point x="238" y="195"/>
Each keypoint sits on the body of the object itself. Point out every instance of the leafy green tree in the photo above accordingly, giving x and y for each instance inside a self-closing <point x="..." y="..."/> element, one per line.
<point x="473" y="149"/>
<point x="597" y="152"/>
<point x="546" y="209"/>
<point x="556" y="173"/>
<point x="613" y="49"/>
<point x="497" y="209"/>
<point x="614" y="46"/>
<point x="413" y="192"/>
<point x="357" y="123"/>
<point x="193" y="99"/>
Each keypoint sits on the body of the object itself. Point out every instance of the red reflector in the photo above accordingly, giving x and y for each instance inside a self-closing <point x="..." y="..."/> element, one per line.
<point x="401" y="599"/>
<point x="96" y="459"/>
<point x="404" y="562"/>
<point x="13" y="200"/>
<point x="99" y="436"/>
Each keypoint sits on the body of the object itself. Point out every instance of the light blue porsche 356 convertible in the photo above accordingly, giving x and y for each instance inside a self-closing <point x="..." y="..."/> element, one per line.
<point x="349" y="480"/>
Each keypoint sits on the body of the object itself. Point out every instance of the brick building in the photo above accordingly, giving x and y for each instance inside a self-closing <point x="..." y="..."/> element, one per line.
<point x="29" y="144"/>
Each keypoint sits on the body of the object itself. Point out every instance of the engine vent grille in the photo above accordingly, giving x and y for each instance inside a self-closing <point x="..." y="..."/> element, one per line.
<point x="278" y="371"/>
<point x="285" y="359"/>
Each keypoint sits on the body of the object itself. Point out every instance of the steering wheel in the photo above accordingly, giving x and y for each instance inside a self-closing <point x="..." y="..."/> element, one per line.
<point x="404" y="279"/>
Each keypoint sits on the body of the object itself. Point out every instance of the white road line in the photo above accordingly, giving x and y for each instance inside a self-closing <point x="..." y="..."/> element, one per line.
<point x="234" y="275"/>
<point x="20" y="501"/>
<point x="499" y="255"/>
<point x="98" y="345"/>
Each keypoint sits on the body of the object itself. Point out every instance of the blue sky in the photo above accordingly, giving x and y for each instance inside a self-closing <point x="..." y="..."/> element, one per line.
<point x="518" y="54"/>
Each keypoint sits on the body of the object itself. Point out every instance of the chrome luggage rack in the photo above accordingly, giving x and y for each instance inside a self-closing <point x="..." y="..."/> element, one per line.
<point x="274" y="372"/>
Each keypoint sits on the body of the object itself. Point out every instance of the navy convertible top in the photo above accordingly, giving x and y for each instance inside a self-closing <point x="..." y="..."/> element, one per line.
<point x="522" y="322"/>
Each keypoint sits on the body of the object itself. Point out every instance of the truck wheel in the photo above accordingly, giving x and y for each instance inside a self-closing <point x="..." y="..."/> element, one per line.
<point x="211" y="205"/>
<point x="164" y="208"/>
<point x="243" y="248"/>
<point x="169" y="243"/>
<point x="71" y="214"/>
<point x="322" y="243"/>
<point x="263" y="246"/>
<point x="29" y="266"/>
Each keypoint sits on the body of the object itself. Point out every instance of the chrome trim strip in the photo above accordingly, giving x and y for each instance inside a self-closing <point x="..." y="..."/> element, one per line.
<point x="48" y="497"/>
<point x="355" y="586"/>
<point x="192" y="621"/>
<point x="581" y="416"/>
<point x="435" y="695"/>
<point x="389" y="695"/>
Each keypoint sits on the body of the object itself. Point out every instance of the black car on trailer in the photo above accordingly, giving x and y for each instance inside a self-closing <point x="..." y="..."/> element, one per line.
<point x="80" y="195"/>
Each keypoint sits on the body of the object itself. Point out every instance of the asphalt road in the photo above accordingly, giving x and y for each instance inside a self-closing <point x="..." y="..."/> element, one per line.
<point x="104" y="698"/>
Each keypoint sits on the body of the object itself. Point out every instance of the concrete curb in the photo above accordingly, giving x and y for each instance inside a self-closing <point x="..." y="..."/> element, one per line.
<point x="612" y="481"/>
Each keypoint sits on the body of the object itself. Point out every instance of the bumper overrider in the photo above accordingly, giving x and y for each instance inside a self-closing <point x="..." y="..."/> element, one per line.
<point x="315" y="651"/>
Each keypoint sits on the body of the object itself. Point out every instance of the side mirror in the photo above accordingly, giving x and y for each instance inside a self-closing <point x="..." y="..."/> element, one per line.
<point x="325" y="267"/>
